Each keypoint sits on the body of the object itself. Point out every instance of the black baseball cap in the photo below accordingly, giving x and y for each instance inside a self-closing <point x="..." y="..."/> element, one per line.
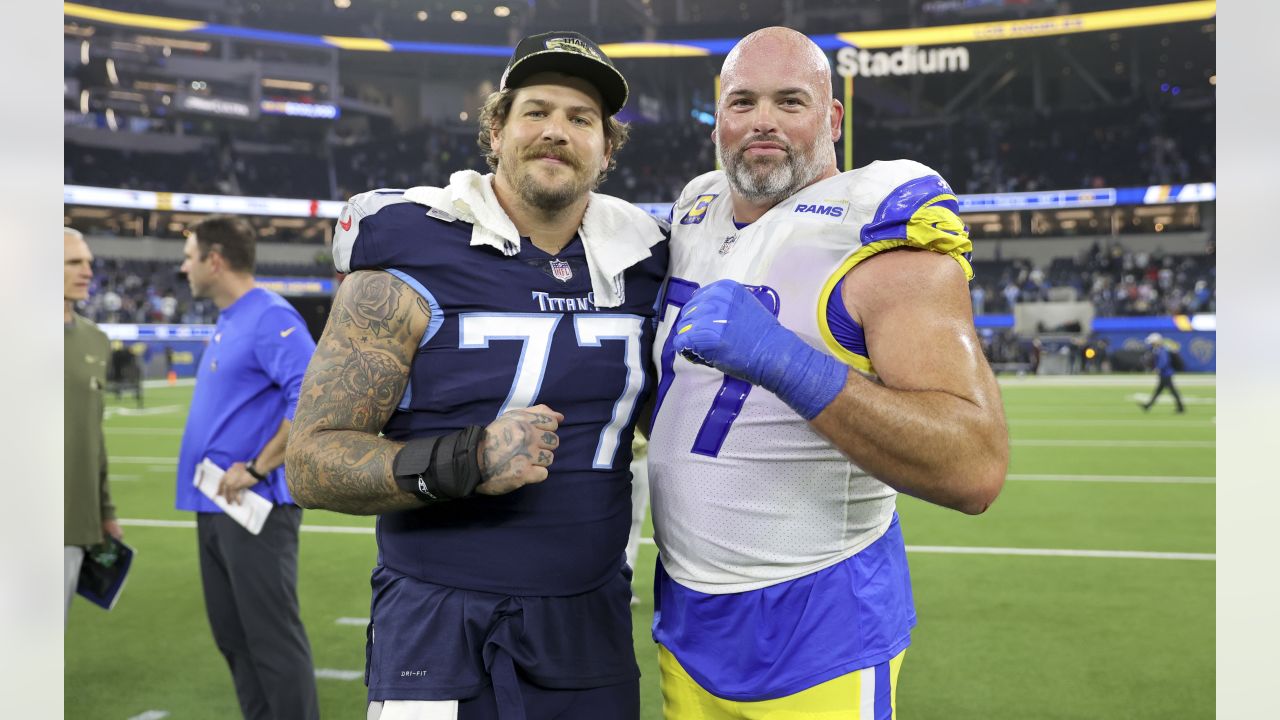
<point x="570" y="53"/>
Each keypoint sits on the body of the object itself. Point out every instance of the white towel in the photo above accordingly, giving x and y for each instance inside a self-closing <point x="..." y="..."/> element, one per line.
<point x="615" y="234"/>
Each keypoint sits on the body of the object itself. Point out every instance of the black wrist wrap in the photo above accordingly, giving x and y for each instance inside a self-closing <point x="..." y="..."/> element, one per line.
<point x="436" y="469"/>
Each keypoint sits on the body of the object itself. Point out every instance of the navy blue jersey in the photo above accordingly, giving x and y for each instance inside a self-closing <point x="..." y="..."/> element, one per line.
<point x="508" y="332"/>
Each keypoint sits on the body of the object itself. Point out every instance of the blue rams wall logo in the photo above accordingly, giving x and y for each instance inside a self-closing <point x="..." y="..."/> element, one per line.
<point x="1202" y="349"/>
<point x="698" y="211"/>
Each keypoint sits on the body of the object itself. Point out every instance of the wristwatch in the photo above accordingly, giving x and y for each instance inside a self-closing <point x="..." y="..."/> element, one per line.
<point x="254" y="471"/>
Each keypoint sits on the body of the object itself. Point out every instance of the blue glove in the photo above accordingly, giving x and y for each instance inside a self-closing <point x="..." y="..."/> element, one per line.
<point x="723" y="325"/>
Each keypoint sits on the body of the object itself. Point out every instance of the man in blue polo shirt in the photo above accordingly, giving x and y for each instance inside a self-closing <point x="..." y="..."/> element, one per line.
<point x="246" y="390"/>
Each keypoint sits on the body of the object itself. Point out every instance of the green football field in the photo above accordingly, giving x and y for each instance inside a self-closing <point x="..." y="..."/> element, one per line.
<point x="1086" y="591"/>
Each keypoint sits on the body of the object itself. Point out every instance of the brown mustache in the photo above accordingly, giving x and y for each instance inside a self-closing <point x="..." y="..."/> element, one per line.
<point x="552" y="152"/>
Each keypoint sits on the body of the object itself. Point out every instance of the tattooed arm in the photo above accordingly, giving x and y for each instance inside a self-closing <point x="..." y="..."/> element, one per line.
<point x="335" y="458"/>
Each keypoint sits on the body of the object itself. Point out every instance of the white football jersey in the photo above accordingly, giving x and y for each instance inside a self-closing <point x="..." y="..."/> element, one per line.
<point x="745" y="494"/>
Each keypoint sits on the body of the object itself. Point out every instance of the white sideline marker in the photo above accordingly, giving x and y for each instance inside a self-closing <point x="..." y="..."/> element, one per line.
<point x="331" y="674"/>
<point x="151" y="715"/>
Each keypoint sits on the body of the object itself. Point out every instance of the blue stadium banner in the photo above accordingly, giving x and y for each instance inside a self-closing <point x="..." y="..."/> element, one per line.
<point x="128" y="332"/>
<point x="296" y="285"/>
<point x="294" y="207"/>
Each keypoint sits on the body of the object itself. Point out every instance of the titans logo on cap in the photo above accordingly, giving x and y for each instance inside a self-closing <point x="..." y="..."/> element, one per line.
<point x="568" y="44"/>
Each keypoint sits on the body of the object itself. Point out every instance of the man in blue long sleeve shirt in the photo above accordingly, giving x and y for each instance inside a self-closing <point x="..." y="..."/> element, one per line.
<point x="1164" y="367"/>
<point x="246" y="390"/>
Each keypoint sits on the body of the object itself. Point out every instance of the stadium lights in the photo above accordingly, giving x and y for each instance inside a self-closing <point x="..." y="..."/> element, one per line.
<point x="301" y="85"/>
<point x="1213" y="79"/>
<point x="155" y="41"/>
<point x="84" y="102"/>
<point x="111" y="120"/>
<point x="342" y="4"/>
<point x="422" y="16"/>
<point x="502" y="11"/>
<point x="458" y="16"/>
<point x="84" y="53"/>
<point x="111" y="72"/>
<point x="154" y="86"/>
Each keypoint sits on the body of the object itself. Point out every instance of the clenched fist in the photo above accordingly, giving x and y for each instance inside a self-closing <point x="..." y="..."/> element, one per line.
<point x="517" y="449"/>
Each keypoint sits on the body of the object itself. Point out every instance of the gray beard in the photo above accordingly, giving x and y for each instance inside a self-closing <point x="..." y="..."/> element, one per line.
<point x="772" y="181"/>
<point x="549" y="199"/>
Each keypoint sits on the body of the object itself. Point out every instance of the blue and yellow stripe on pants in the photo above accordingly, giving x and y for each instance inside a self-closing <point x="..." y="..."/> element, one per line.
<point x="867" y="694"/>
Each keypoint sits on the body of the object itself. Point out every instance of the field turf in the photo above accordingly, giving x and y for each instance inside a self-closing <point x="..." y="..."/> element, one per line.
<point x="1087" y="591"/>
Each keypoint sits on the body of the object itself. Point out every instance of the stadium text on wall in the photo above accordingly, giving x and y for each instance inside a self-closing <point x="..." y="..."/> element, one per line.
<point x="910" y="60"/>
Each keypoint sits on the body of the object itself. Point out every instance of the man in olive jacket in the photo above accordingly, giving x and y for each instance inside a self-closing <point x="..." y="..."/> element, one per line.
<point x="87" y="510"/>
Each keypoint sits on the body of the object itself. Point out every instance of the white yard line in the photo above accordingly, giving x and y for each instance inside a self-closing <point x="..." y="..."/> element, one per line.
<point x="1145" y="422"/>
<point x="140" y="460"/>
<point x="1166" y="399"/>
<point x="1051" y="552"/>
<point x="147" y="522"/>
<point x="1057" y="381"/>
<point x="1171" y="444"/>
<point x="151" y="715"/>
<point x="1128" y="403"/>
<point x="332" y="529"/>
<point x="141" y="431"/>
<point x="124" y="411"/>
<point x="360" y="622"/>
<point x="331" y="674"/>
<point x="180" y="382"/>
<point x="1046" y="552"/>
<point x="1154" y="479"/>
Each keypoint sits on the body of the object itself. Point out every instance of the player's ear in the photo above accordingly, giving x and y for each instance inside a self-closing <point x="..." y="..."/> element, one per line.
<point x="837" y="117"/>
<point x="495" y="139"/>
<point x="604" y="159"/>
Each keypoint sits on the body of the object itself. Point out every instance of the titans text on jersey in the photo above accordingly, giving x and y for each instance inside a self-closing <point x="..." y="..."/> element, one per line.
<point x="511" y="327"/>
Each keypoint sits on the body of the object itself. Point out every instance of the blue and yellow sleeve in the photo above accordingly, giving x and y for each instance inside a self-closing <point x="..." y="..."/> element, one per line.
<point x="922" y="213"/>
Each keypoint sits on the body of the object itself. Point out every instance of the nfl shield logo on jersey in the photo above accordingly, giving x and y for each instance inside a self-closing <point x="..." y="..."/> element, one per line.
<point x="727" y="245"/>
<point x="561" y="271"/>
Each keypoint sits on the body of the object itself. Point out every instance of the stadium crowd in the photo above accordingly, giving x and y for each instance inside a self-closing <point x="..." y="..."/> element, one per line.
<point x="152" y="291"/>
<point x="1118" y="281"/>
<point x="1015" y="151"/>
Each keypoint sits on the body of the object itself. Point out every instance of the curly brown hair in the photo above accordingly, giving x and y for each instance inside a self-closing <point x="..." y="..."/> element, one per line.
<point x="497" y="107"/>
